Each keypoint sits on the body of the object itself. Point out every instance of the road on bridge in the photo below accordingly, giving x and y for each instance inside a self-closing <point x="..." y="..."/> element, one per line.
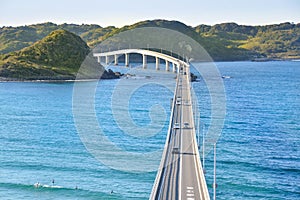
<point x="181" y="176"/>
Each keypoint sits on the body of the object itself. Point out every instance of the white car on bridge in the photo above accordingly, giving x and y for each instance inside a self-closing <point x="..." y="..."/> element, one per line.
<point x="186" y="125"/>
<point x="176" y="125"/>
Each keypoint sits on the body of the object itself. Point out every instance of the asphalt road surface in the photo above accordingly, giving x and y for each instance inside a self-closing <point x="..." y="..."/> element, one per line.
<point x="181" y="176"/>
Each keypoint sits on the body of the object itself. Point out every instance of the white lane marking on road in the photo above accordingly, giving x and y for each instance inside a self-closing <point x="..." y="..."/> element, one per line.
<point x="190" y="193"/>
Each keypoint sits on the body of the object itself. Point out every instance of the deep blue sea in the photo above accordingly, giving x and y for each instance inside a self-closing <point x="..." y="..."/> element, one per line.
<point x="258" y="152"/>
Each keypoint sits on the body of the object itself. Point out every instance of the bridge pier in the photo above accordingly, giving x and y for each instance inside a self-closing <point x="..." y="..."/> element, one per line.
<point x="144" y="61"/>
<point x="116" y="59"/>
<point x="98" y="59"/>
<point x="167" y="66"/>
<point x="106" y="60"/>
<point x="126" y="60"/>
<point x="157" y="63"/>
<point x="174" y="67"/>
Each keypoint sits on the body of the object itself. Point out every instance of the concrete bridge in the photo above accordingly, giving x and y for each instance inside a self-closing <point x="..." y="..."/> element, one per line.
<point x="180" y="175"/>
<point x="169" y="60"/>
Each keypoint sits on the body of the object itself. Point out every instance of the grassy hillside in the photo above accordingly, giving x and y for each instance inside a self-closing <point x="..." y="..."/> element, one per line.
<point x="16" y="38"/>
<point x="57" y="56"/>
<point x="227" y="41"/>
<point x="272" y="41"/>
<point x="216" y="49"/>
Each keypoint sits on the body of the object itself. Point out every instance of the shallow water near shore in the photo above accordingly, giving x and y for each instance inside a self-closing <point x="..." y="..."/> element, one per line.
<point x="257" y="153"/>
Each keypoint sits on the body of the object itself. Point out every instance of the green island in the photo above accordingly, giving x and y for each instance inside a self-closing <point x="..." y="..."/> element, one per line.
<point x="49" y="51"/>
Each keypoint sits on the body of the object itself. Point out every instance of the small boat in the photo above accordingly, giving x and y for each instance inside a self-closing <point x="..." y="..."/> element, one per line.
<point x="226" y="77"/>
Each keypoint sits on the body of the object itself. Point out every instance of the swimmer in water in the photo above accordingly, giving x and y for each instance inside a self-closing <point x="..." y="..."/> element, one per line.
<point x="36" y="185"/>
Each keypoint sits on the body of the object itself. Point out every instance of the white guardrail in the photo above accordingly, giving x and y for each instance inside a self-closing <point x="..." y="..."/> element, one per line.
<point x="163" y="160"/>
<point x="201" y="177"/>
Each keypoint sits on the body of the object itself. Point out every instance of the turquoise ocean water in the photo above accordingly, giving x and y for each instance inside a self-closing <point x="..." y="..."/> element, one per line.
<point x="258" y="153"/>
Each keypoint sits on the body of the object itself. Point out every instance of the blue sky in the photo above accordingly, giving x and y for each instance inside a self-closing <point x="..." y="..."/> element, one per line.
<point x="124" y="12"/>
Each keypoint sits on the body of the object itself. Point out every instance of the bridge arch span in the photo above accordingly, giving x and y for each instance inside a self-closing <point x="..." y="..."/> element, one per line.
<point x="176" y="63"/>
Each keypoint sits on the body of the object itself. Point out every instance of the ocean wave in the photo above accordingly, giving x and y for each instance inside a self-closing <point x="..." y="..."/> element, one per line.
<point x="34" y="186"/>
<point x="59" y="191"/>
<point x="260" y="167"/>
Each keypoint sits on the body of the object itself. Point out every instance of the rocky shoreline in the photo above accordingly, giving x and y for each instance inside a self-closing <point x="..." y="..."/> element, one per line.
<point x="107" y="74"/>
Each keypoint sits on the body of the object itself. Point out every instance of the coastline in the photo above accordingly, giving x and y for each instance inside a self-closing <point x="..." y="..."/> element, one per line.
<point x="105" y="76"/>
<point x="5" y="80"/>
<point x="50" y="80"/>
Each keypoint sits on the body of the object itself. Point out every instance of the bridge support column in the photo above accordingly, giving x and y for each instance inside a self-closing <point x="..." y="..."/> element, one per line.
<point x="116" y="59"/>
<point x="144" y="61"/>
<point x="98" y="59"/>
<point x="167" y="66"/>
<point x="174" y="67"/>
<point x="126" y="60"/>
<point x="157" y="63"/>
<point x="106" y="60"/>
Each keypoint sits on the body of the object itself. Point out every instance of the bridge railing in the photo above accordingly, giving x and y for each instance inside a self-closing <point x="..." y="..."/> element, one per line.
<point x="160" y="175"/>
<point x="199" y="166"/>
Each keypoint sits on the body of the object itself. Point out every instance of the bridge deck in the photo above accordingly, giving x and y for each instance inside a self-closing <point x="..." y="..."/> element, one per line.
<point x="181" y="176"/>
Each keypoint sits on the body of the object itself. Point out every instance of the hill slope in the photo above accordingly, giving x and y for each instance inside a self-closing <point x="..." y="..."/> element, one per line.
<point x="272" y="41"/>
<point x="16" y="38"/>
<point x="216" y="49"/>
<point x="227" y="41"/>
<point x="57" y="56"/>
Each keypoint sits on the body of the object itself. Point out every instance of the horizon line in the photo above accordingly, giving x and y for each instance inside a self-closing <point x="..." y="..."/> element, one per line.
<point x="93" y="23"/>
